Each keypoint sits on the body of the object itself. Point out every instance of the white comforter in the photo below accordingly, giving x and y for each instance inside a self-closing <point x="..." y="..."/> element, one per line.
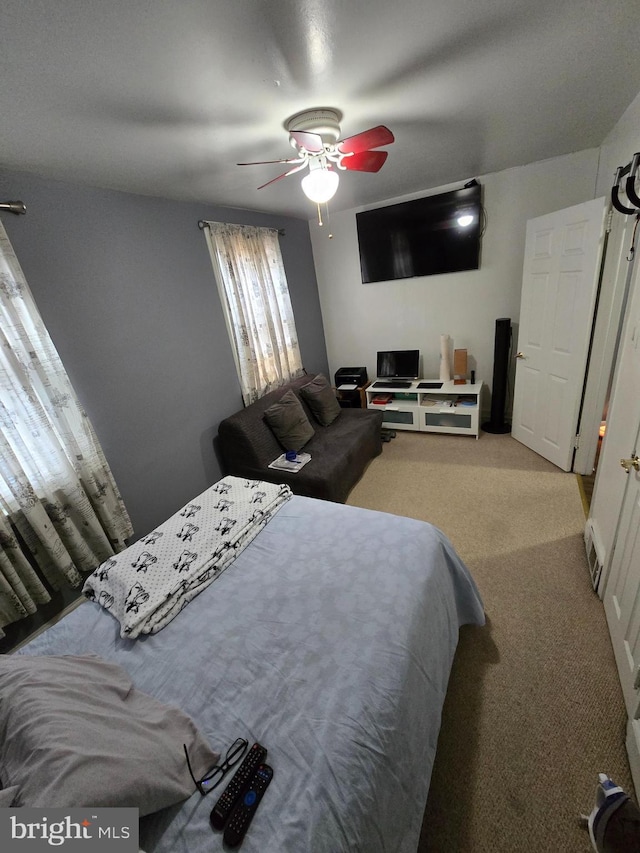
<point x="149" y="583"/>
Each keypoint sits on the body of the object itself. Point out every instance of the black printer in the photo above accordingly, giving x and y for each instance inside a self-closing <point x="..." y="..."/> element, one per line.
<point x="351" y="376"/>
<point x="351" y="398"/>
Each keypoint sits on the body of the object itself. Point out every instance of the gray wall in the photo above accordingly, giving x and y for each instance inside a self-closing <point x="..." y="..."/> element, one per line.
<point x="125" y="286"/>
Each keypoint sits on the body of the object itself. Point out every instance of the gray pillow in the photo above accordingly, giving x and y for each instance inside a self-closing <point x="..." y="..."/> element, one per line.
<point x="74" y="731"/>
<point x="8" y="796"/>
<point x="319" y="396"/>
<point x="289" y="423"/>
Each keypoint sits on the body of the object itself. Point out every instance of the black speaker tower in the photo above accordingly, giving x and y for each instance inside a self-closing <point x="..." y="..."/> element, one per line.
<point x="497" y="424"/>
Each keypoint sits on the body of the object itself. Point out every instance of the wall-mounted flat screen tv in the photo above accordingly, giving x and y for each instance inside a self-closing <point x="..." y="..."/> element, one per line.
<point x="426" y="236"/>
<point x="398" y="364"/>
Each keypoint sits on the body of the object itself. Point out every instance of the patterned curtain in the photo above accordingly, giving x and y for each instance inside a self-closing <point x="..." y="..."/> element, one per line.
<point x="60" y="510"/>
<point x="257" y="306"/>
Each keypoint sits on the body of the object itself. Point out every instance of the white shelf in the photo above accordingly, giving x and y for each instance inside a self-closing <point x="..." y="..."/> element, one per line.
<point x="408" y="408"/>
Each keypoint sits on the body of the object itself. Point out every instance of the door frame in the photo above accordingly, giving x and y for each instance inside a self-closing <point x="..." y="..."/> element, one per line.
<point x="612" y="299"/>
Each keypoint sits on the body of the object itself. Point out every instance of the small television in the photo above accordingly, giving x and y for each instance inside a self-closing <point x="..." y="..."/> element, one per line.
<point x="398" y="364"/>
<point x="427" y="236"/>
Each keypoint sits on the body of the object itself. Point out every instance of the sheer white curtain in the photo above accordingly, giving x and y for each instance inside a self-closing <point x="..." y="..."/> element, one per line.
<point x="255" y="297"/>
<point x="60" y="510"/>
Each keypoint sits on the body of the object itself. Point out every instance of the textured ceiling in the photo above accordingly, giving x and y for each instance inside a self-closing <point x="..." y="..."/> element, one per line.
<point x="164" y="97"/>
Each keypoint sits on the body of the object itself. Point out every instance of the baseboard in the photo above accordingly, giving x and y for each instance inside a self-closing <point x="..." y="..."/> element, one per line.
<point x="633" y="751"/>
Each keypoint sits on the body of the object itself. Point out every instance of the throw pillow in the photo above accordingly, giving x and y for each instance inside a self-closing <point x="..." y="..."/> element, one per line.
<point x="74" y="731"/>
<point x="319" y="396"/>
<point x="289" y="422"/>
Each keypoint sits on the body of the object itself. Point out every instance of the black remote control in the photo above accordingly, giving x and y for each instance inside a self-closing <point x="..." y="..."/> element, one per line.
<point x="243" y="813"/>
<point x="237" y="786"/>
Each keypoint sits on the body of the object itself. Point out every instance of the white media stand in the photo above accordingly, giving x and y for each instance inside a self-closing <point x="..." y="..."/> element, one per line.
<point x="429" y="409"/>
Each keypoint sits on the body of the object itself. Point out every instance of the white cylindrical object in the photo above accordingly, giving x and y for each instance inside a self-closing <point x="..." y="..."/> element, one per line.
<point x="445" y="359"/>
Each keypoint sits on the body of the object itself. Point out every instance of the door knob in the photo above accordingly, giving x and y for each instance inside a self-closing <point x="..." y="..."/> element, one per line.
<point x="520" y="355"/>
<point x="628" y="464"/>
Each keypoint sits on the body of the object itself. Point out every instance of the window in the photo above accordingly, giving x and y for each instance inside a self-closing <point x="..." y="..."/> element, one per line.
<point x="255" y="297"/>
<point x="60" y="511"/>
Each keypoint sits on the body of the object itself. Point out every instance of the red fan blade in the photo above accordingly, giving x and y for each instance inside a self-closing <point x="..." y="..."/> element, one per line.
<point x="372" y="138"/>
<point x="311" y="141"/>
<point x="365" y="161"/>
<point x="283" y="175"/>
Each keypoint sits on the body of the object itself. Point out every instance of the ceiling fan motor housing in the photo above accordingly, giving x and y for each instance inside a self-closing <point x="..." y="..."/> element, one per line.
<point x="315" y="136"/>
<point x="325" y="122"/>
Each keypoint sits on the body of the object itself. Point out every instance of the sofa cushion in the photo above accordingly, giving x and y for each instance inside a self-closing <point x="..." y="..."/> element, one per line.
<point x="339" y="452"/>
<point x="289" y="422"/>
<point x="319" y="396"/>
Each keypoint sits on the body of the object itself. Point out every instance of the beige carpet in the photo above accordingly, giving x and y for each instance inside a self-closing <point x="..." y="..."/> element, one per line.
<point x="534" y="709"/>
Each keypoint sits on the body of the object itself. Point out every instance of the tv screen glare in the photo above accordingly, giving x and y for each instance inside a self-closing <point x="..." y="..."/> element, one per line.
<point x="398" y="364"/>
<point x="426" y="236"/>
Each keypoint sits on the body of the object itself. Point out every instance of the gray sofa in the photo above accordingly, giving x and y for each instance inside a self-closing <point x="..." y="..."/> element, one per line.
<point x="339" y="452"/>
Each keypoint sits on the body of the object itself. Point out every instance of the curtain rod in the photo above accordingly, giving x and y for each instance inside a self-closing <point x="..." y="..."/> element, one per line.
<point x="16" y="207"/>
<point x="202" y="224"/>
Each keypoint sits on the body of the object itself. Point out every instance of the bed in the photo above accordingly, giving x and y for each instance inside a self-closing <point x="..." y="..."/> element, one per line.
<point x="329" y="640"/>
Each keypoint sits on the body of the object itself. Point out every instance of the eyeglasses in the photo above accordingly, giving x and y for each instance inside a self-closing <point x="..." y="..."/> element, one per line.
<point x="213" y="778"/>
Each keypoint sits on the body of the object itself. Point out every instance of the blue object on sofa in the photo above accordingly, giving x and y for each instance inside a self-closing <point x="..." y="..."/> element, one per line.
<point x="339" y="452"/>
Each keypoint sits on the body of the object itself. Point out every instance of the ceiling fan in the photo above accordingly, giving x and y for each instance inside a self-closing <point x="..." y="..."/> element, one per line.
<point x="315" y="135"/>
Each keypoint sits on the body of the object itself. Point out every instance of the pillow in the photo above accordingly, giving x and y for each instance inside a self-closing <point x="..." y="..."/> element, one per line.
<point x="289" y="422"/>
<point x="8" y="796"/>
<point x="319" y="396"/>
<point x="74" y="731"/>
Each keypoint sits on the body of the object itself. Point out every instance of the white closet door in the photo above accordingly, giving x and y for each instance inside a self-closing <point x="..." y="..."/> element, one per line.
<point x="622" y="585"/>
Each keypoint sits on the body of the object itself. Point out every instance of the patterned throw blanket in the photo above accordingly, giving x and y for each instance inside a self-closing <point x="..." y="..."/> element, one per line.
<point x="149" y="583"/>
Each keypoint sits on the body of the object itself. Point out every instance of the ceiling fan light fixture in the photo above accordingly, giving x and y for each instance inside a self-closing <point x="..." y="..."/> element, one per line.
<point x="320" y="184"/>
<point x="315" y="136"/>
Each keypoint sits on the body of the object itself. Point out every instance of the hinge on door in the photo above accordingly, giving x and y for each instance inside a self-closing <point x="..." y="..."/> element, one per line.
<point x="576" y="443"/>
<point x="636" y="682"/>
